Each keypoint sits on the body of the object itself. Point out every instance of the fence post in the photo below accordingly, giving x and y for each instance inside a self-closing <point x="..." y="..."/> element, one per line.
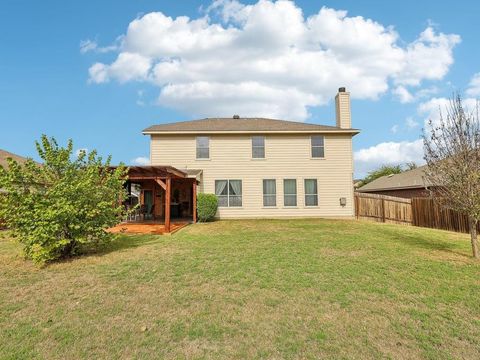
<point x="414" y="214"/>
<point x="383" y="210"/>
<point x="356" y="205"/>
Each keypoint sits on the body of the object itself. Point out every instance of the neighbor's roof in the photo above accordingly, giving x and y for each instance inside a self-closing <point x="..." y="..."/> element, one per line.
<point x="243" y="125"/>
<point x="4" y="155"/>
<point x="410" y="179"/>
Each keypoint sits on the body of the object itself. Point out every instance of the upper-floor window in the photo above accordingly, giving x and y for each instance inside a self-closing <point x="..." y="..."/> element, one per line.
<point x="290" y="192"/>
<point x="318" y="146"/>
<point x="203" y="147"/>
<point x="258" y="147"/>
<point x="229" y="192"/>
<point x="311" y="192"/>
<point x="269" y="192"/>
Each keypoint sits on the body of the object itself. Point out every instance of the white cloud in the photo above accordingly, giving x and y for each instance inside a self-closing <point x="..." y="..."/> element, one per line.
<point x="92" y="46"/>
<point x="87" y="45"/>
<point x="411" y="123"/>
<point x="79" y="151"/>
<point x="426" y="92"/>
<point x="432" y="108"/>
<point x="127" y="67"/>
<point x="141" y="160"/>
<point x="267" y="59"/>
<point x="403" y="95"/>
<point x="245" y="98"/>
<point x="140" y="98"/>
<point x="394" y="129"/>
<point x="391" y="153"/>
<point x="428" y="57"/>
<point x="474" y="86"/>
<point x="98" y="73"/>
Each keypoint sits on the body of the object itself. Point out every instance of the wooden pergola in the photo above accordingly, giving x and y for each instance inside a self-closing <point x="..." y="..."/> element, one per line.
<point x="163" y="176"/>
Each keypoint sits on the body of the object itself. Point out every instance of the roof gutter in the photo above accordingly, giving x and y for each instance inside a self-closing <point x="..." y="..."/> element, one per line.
<point x="226" y="132"/>
<point x="394" y="188"/>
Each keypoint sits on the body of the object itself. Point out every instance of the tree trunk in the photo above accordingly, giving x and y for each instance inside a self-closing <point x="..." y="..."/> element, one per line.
<point x="473" y="237"/>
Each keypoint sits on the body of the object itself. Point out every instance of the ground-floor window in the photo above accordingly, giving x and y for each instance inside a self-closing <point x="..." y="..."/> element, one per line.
<point x="229" y="193"/>
<point x="290" y="192"/>
<point x="311" y="192"/>
<point x="269" y="192"/>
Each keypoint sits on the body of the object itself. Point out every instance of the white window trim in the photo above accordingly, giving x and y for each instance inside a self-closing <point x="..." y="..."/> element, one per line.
<point x="324" y="148"/>
<point x="196" y="148"/>
<point x="305" y="194"/>
<point x="263" y="196"/>
<point x="296" y="193"/>
<point x="264" y="147"/>
<point x="228" y="193"/>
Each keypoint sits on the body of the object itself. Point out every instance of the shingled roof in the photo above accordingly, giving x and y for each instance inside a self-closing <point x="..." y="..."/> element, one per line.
<point x="242" y="125"/>
<point x="410" y="179"/>
<point x="4" y="155"/>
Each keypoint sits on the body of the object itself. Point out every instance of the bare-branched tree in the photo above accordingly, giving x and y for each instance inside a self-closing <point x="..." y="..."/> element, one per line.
<point x="452" y="153"/>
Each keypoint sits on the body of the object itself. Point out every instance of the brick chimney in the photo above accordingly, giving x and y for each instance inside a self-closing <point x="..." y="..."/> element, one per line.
<point x="342" y="109"/>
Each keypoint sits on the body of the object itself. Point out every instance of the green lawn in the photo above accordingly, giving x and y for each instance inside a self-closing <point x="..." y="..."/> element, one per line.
<point x="249" y="289"/>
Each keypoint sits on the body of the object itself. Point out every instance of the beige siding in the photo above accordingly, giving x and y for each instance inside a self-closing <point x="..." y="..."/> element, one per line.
<point x="342" y="109"/>
<point x="286" y="157"/>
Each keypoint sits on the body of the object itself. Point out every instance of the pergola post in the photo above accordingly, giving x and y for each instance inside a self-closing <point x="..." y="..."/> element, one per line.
<point x="194" y="201"/>
<point x="167" y="203"/>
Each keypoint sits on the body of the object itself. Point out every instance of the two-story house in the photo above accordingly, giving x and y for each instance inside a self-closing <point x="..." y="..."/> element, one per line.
<point x="257" y="167"/>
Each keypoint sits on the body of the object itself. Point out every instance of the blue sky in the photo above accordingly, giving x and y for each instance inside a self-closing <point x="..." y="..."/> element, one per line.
<point x="401" y="60"/>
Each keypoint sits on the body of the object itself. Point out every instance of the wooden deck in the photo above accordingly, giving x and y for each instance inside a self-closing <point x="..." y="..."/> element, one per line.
<point x="146" y="228"/>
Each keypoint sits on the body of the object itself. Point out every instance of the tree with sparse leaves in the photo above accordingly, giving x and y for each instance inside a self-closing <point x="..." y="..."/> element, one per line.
<point x="63" y="206"/>
<point x="452" y="153"/>
<point x="412" y="165"/>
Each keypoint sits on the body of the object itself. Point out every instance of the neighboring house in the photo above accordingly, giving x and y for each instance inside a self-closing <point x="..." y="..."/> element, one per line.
<point x="357" y="183"/>
<point x="408" y="184"/>
<point x="258" y="168"/>
<point x="4" y="155"/>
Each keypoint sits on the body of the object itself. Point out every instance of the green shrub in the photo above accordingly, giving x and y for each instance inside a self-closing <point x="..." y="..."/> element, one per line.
<point x="207" y="205"/>
<point x="58" y="209"/>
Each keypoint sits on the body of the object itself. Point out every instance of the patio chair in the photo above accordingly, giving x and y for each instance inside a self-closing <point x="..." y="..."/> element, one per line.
<point x="138" y="214"/>
<point x="150" y="212"/>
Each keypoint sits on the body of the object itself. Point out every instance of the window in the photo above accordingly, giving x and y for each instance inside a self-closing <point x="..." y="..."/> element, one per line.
<point x="229" y="193"/>
<point x="203" y="147"/>
<point x="311" y="192"/>
<point x="318" y="146"/>
<point x="221" y="190"/>
<point x="290" y="192"/>
<point x="269" y="192"/>
<point x="258" y="147"/>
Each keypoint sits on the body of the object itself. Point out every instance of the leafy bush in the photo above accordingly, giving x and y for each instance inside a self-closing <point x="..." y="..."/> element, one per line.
<point x="62" y="206"/>
<point x="207" y="205"/>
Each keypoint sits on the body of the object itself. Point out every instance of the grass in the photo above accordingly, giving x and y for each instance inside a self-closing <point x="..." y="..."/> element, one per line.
<point x="249" y="289"/>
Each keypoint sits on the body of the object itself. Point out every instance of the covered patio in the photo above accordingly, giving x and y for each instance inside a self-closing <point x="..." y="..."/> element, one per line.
<point x="163" y="198"/>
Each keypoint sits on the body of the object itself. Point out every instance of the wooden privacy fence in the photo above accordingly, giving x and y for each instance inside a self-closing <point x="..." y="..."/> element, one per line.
<point x="428" y="213"/>
<point x="383" y="208"/>
<point x="423" y="212"/>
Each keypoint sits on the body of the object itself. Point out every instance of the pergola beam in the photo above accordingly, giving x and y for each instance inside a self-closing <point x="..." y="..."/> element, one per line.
<point x="194" y="201"/>
<point x="168" y="191"/>
<point x="161" y="183"/>
<point x="131" y="178"/>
